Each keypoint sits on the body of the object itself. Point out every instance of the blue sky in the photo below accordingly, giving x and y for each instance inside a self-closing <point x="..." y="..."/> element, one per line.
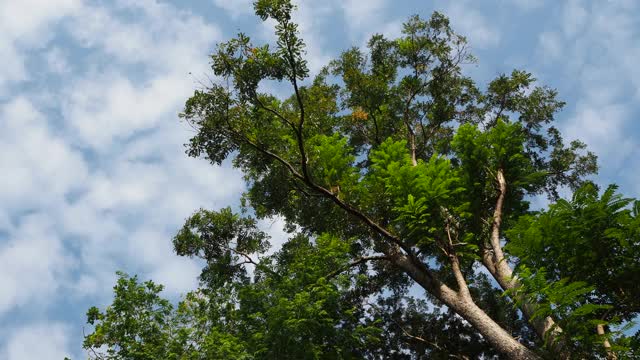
<point x="93" y="175"/>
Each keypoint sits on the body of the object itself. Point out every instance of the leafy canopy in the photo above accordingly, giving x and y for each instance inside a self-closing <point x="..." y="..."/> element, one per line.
<point x="393" y="171"/>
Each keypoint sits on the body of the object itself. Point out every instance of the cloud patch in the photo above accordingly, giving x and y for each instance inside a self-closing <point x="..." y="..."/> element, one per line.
<point x="472" y="23"/>
<point x="38" y="341"/>
<point x="32" y="263"/>
<point x="34" y="157"/>
<point x="27" y="25"/>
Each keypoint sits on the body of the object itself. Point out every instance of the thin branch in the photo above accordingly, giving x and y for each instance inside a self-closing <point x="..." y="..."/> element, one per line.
<point x="249" y="260"/>
<point x="91" y="349"/>
<point x="299" y="133"/>
<point x="297" y="187"/>
<point x="497" y="217"/>
<point x="328" y="194"/>
<point x="503" y="104"/>
<point x="463" y="288"/>
<point x="274" y="112"/>
<point x="357" y="262"/>
<point x="404" y="331"/>
<point x="375" y="125"/>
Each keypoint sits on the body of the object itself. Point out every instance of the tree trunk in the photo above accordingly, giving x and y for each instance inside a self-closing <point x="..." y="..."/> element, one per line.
<point x="412" y="140"/>
<point x="464" y="306"/>
<point x="544" y="327"/>
<point x="497" y="265"/>
<point x="607" y="345"/>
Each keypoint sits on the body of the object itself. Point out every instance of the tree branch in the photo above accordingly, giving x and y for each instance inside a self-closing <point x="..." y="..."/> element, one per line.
<point x="501" y="108"/>
<point x="607" y="345"/>
<point x="404" y="331"/>
<point x="463" y="288"/>
<point x="357" y="262"/>
<point x="274" y="112"/>
<point x="498" y="266"/>
<point x="330" y="195"/>
<point x="299" y="134"/>
<point x="249" y="260"/>
<point x="498" y="255"/>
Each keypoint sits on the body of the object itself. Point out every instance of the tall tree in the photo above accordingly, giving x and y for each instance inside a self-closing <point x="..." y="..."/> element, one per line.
<point x="395" y="171"/>
<point x="373" y="154"/>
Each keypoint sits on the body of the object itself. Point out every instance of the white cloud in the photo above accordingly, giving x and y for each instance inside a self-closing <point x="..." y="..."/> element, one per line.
<point x="127" y="218"/>
<point x="471" y="23"/>
<point x="25" y="25"/>
<point x="5" y="221"/>
<point x="107" y="104"/>
<point x="527" y="4"/>
<point x="57" y="62"/>
<point x="177" y="275"/>
<point x="131" y="208"/>
<point x="602" y="127"/>
<point x="32" y="264"/>
<point x="593" y="45"/>
<point x="125" y="206"/>
<point x="149" y="246"/>
<point x="27" y="19"/>
<point x="235" y="8"/>
<point x="42" y="341"/>
<point x="161" y="37"/>
<point x="39" y="161"/>
<point x="274" y="227"/>
<point x="550" y="46"/>
<point x="574" y="17"/>
<point x="310" y="17"/>
<point x="390" y="30"/>
<point x="131" y="186"/>
<point x="13" y="69"/>
<point x="362" y="15"/>
<point x="117" y="108"/>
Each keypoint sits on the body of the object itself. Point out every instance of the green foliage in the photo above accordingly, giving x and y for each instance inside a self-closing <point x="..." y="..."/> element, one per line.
<point x="387" y="154"/>
<point x="587" y="253"/>
<point x="133" y="325"/>
<point x="141" y="325"/>
<point x="223" y="238"/>
<point x="290" y="312"/>
<point x="565" y="302"/>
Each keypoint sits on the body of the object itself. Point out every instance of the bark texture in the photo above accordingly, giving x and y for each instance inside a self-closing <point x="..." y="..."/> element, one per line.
<point x="496" y="263"/>
<point x="464" y="306"/>
<point x="607" y="345"/>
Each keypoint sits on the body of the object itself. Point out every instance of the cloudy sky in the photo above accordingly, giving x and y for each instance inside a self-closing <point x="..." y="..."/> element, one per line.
<point x="93" y="175"/>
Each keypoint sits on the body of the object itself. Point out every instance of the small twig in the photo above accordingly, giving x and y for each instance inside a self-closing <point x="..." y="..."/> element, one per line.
<point x="357" y="262"/>
<point x="249" y="260"/>
<point x="404" y="331"/>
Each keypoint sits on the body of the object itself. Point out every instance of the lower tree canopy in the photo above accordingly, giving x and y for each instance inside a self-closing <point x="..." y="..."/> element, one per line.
<point x="405" y="189"/>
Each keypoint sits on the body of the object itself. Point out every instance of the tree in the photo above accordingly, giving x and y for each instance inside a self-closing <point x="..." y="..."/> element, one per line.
<point x="140" y="325"/>
<point x="392" y="169"/>
<point x="292" y="309"/>
<point x="579" y="261"/>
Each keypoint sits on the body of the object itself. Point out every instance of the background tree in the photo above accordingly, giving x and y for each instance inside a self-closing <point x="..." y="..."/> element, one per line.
<point x="393" y="170"/>
<point x="584" y="254"/>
